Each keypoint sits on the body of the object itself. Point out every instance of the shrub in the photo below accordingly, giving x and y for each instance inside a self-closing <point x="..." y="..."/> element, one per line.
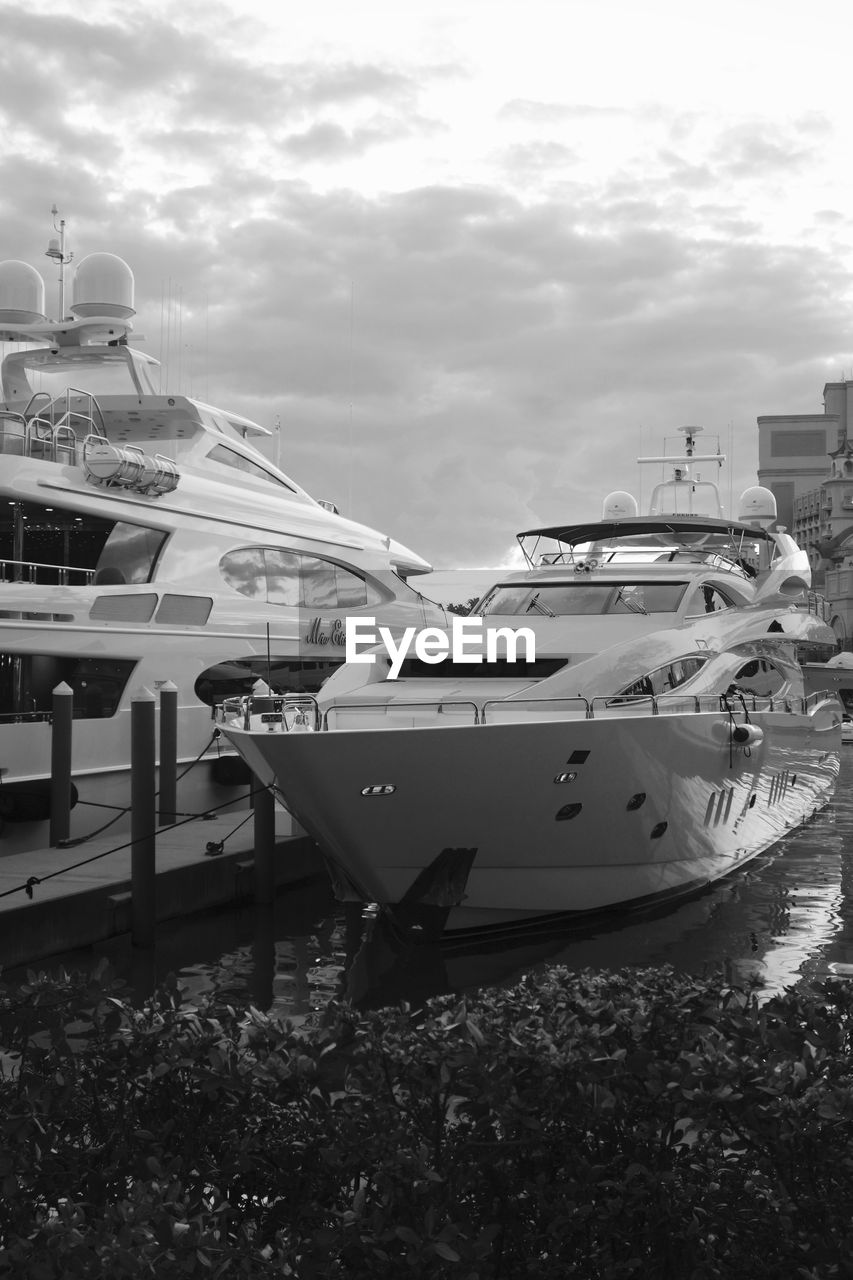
<point x="590" y="1125"/>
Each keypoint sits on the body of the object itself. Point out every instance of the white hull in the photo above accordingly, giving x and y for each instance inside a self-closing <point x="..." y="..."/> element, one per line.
<point x="709" y="806"/>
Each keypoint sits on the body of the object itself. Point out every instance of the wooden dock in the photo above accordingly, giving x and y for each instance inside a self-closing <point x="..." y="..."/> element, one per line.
<point x="59" y="899"/>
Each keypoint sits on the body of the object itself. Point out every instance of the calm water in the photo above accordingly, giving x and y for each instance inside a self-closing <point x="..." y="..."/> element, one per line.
<point x="787" y="918"/>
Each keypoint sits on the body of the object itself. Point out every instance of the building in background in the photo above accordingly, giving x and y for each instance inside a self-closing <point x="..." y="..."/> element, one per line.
<point x="806" y="460"/>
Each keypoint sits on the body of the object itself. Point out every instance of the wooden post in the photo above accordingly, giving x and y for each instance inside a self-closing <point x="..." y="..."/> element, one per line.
<point x="143" y="911"/>
<point x="264" y="821"/>
<point x="60" y="763"/>
<point x="168" y="812"/>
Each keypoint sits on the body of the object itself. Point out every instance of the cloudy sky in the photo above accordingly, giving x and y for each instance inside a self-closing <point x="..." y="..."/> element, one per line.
<point x="474" y="257"/>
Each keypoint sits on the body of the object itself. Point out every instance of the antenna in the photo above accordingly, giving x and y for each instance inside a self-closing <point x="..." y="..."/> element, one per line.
<point x="56" y="250"/>
<point x="351" y="368"/>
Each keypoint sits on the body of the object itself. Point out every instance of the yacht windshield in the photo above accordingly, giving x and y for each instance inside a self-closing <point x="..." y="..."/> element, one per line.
<point x="98" y="371"/>
<point x="563" y="599"/>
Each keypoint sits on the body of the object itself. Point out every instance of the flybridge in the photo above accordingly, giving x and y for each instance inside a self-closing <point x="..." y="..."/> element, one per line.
<point x="644" y="540"/>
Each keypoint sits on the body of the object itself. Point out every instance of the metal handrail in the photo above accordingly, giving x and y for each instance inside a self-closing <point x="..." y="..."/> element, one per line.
<point x="523" y="703"/>
<point x="31" y="566"/>
<point x="244" y="707"/>
<point x="438" y="703"/>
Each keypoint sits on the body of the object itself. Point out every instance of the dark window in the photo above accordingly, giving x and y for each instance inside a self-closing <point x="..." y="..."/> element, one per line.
<point x="663" y="679"/>
<point x="797" y="444"/>
<point x="27" y="682"/>
<point x="761" y="678"/>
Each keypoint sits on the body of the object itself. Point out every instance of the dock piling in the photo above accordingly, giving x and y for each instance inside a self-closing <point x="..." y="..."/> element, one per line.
<point x="60" y="763"/>
<point x="168" y="811"/>
<point x="142" y="819"/>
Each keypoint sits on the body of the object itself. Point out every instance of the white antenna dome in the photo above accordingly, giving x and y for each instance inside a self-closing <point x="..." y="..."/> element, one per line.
<point x="103" y="286"/>
<point x="757" y="506"/>
<point x="21" y="294"/>
<point x="618" y="505"/>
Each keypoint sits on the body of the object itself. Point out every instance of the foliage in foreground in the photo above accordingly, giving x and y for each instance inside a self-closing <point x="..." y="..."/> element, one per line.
<point x="640" y="1124"/>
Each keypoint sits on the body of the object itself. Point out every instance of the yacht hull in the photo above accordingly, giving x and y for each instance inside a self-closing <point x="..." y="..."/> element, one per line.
<point x="552" y="816"/>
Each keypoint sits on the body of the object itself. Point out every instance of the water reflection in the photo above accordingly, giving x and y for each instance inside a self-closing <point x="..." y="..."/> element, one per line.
<point x="787" y="919"/>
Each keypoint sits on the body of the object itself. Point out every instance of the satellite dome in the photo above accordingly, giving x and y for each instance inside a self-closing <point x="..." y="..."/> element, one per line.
<point x="103" y="286"/>
<point x="618" y="505"/>
<point x="757" y="506"/>
<point x="21" y="294"/>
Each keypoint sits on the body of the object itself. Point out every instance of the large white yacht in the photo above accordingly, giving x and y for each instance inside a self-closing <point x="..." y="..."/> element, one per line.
<point x="146" y="539"/>
<point x="661" y="735"/>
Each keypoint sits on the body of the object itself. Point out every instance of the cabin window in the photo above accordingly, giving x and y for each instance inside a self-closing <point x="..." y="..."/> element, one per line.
<point x="46" y="543"/>
<point x="296" y="580"/>
<point x="129" y="554"/>
<point x="230" y="458"/>
<point x="761" y="678"/>
<point x="663" y="679"/>
<point x="27" y="681"/>
<point x="708" y="599"/>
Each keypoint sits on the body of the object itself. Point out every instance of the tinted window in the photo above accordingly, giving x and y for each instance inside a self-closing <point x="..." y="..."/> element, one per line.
<point x="664" y="679"/>
<point x="760" y="677"/>
<point x="290" y="578"/>
<point x="129" y="554"/>
<point x="27" y="682"/>
<point x="230" y="458"/>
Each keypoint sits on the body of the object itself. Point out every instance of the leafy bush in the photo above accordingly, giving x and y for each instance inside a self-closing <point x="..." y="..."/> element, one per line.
<point x="642" y="1124"/>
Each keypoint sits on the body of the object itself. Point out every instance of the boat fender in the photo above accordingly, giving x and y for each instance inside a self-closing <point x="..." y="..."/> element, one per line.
<point x="28" y="801"/>
<point x="747" y="735"/>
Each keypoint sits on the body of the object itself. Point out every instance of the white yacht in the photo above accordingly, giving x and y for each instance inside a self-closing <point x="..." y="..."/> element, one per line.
<point x="660" y="736"/>
<point x="147" y="539"/>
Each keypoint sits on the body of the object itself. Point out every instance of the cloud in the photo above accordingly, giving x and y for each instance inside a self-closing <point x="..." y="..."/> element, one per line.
<point x="452" y="358"/>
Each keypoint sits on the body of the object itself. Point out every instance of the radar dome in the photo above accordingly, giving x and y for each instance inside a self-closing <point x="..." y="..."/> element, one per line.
<point x="103" y="286"/>
<point x="21" y="294"/>
<point x="757" y="506"/>
<point x="618" y="505"/>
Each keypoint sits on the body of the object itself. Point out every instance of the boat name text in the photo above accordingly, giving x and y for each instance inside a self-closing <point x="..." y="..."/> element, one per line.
<point x="316" y="634"/>
<point x="467" y="641"/>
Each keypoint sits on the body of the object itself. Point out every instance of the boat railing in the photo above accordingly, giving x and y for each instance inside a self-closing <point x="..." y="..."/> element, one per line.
<point x="51" y="430"/>
<point x="13" y="433"/>
<point x="290" y="712"/>
<point x="510" y="710"/>
<point x="286" y="712"/>
<point x="37" y="572"/>
<point x="452" y="709"/>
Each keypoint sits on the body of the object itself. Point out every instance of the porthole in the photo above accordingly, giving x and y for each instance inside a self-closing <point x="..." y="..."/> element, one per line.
<point x="379" y="789"/>
<point x="636" y="801"/>
<point x="658" y="831"/>
<point x="565" y="777"/>
<point x="568" y="811"/>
